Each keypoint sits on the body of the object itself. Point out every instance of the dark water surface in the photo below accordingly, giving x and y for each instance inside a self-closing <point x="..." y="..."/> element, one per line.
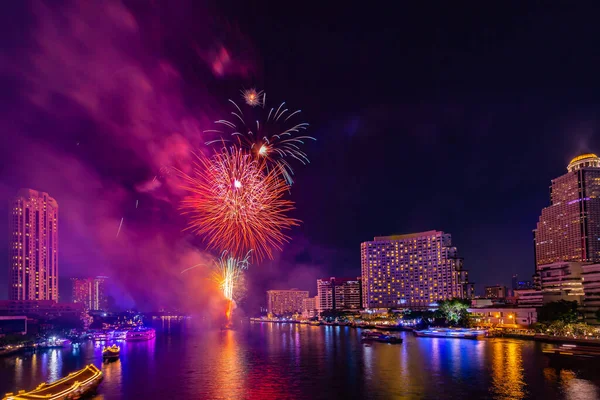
<point x="271" y="361"/>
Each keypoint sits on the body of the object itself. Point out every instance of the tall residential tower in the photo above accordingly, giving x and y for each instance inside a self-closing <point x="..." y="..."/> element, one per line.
<point x="412" y="270"/>
<point x="91" y="292"/>
<point x="33" y="247"/>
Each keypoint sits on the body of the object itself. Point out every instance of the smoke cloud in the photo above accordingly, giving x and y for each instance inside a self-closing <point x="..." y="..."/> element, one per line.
<point x="97" y="117"/>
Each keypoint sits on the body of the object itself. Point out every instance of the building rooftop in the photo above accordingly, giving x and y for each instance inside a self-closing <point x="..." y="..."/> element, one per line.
<point x="406" y="236"/>
<point x="584" y="161"/>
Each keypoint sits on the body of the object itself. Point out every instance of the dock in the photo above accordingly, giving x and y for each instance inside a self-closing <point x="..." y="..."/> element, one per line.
<point x="73" y="386"/>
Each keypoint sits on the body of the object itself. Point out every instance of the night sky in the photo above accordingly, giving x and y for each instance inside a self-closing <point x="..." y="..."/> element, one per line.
<point x="443" y="118"/>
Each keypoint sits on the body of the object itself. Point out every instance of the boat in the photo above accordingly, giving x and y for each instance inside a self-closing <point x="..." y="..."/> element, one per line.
<point x="100" y="336"/>
<point x="573" y="351"/>
<point x="111" y="352"/>
<point x="315" y="323"/>
<point x="73" y="386"/>
<point x="451" y="333"/>
<point x="141" y="334"/>
<point x="370" y="336"/>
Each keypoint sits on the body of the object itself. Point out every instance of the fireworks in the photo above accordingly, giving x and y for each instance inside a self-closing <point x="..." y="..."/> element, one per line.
<point x="120" y="226"/>
<point x="236" y="204"/>
<point x="254" y="98"/>
<point x="274" y="140"/>
<point x="228" y="275"/>
<point x="228" y="271"/>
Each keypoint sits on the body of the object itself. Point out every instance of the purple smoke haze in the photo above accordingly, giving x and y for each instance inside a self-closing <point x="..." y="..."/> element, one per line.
<point x="99" y="114"/>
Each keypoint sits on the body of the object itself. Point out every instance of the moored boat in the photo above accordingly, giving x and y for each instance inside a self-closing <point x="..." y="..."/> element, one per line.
<point x="141" y="334"/>
<point x="111" y="352"/>
<point x="100" y="336"/>
<point x="370" y="336"/>
<point x="73" y="386"/>
<point x="451" y="333"/>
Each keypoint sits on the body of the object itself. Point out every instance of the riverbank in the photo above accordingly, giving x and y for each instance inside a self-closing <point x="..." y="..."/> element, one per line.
<point x="513" y="335"/>
<point x="348" y="324"/>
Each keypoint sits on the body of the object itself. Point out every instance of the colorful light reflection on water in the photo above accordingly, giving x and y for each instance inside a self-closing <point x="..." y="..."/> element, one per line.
<point x="277" y="361"/>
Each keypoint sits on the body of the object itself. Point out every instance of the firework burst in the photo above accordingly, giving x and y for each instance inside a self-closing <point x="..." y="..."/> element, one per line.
<point x="254" y="98"/>
<point x="269" y="135"/>
<point x="236" y="204"/>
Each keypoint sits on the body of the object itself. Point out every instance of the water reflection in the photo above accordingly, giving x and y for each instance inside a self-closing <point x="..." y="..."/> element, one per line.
<point x="507" y="370"/>
<point x="55" y="365"/>
<point x="270" y="361"/>
<point x="573" y="387"/>
<point x="229" y="376"/>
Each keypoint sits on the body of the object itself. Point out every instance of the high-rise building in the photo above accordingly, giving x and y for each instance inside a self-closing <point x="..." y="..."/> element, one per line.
<point x="495" y="292"/>
<point x="569" y="229"/>
<point x="412" y="270"/>
<point x="33" y="247"/>
<point x="309" y="307"/>
<point x="325" y="294"/>
<point x="339" y="293"/>
<point x="280" y="302"/>
<point x="91" y="292"/>
<point x="567" y="235"/>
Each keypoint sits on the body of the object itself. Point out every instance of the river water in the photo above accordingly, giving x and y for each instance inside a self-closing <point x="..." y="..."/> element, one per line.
<point x="285" y="361"/>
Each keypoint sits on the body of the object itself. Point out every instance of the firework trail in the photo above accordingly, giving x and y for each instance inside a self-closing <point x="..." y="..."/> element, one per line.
<point x="270" y="136"/>
<point x="120" y="225"/>
<point x="228" y="275"/>
<point x="136" y="203"/>
<point x="235" y="203"/>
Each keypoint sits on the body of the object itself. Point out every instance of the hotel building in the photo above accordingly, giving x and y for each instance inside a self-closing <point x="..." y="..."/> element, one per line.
<point x="567" y="236"/>
<point x="280" y="302"/>
<point x="90" y="292"/>
<point x="339" y="294"/>
<point x="412" y="271"/>
<point x="569" y="229"/>
<point x="33" y="247"/>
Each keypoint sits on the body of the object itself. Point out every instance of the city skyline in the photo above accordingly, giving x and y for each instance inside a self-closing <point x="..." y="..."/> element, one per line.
<point x="230" y="200"/>
<point x="576" y="165"/>
<point x="408" y="148"/>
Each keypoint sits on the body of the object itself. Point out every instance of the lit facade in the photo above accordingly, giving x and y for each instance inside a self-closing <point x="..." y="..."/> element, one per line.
<point x="33" y="246"/>
<point x="325" y="294"/>
<point x="591" y="289"/>
<point x="280" y="302"/>
<point x="561" y="281"/>
<point x="529" y="297"/>
<point x="412" y="270"/>
<point x="309" y="307"/>
<point x="339" y="294"/>
<point x="90" y="292"/>
<point x="569" y="229"/>
<point x="494" y="316"/>
<point x="495" y="292"/>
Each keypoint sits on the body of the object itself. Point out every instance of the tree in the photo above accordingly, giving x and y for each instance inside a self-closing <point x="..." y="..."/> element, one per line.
<point x="562" y="310"/>
<point x="455" y="311"/>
